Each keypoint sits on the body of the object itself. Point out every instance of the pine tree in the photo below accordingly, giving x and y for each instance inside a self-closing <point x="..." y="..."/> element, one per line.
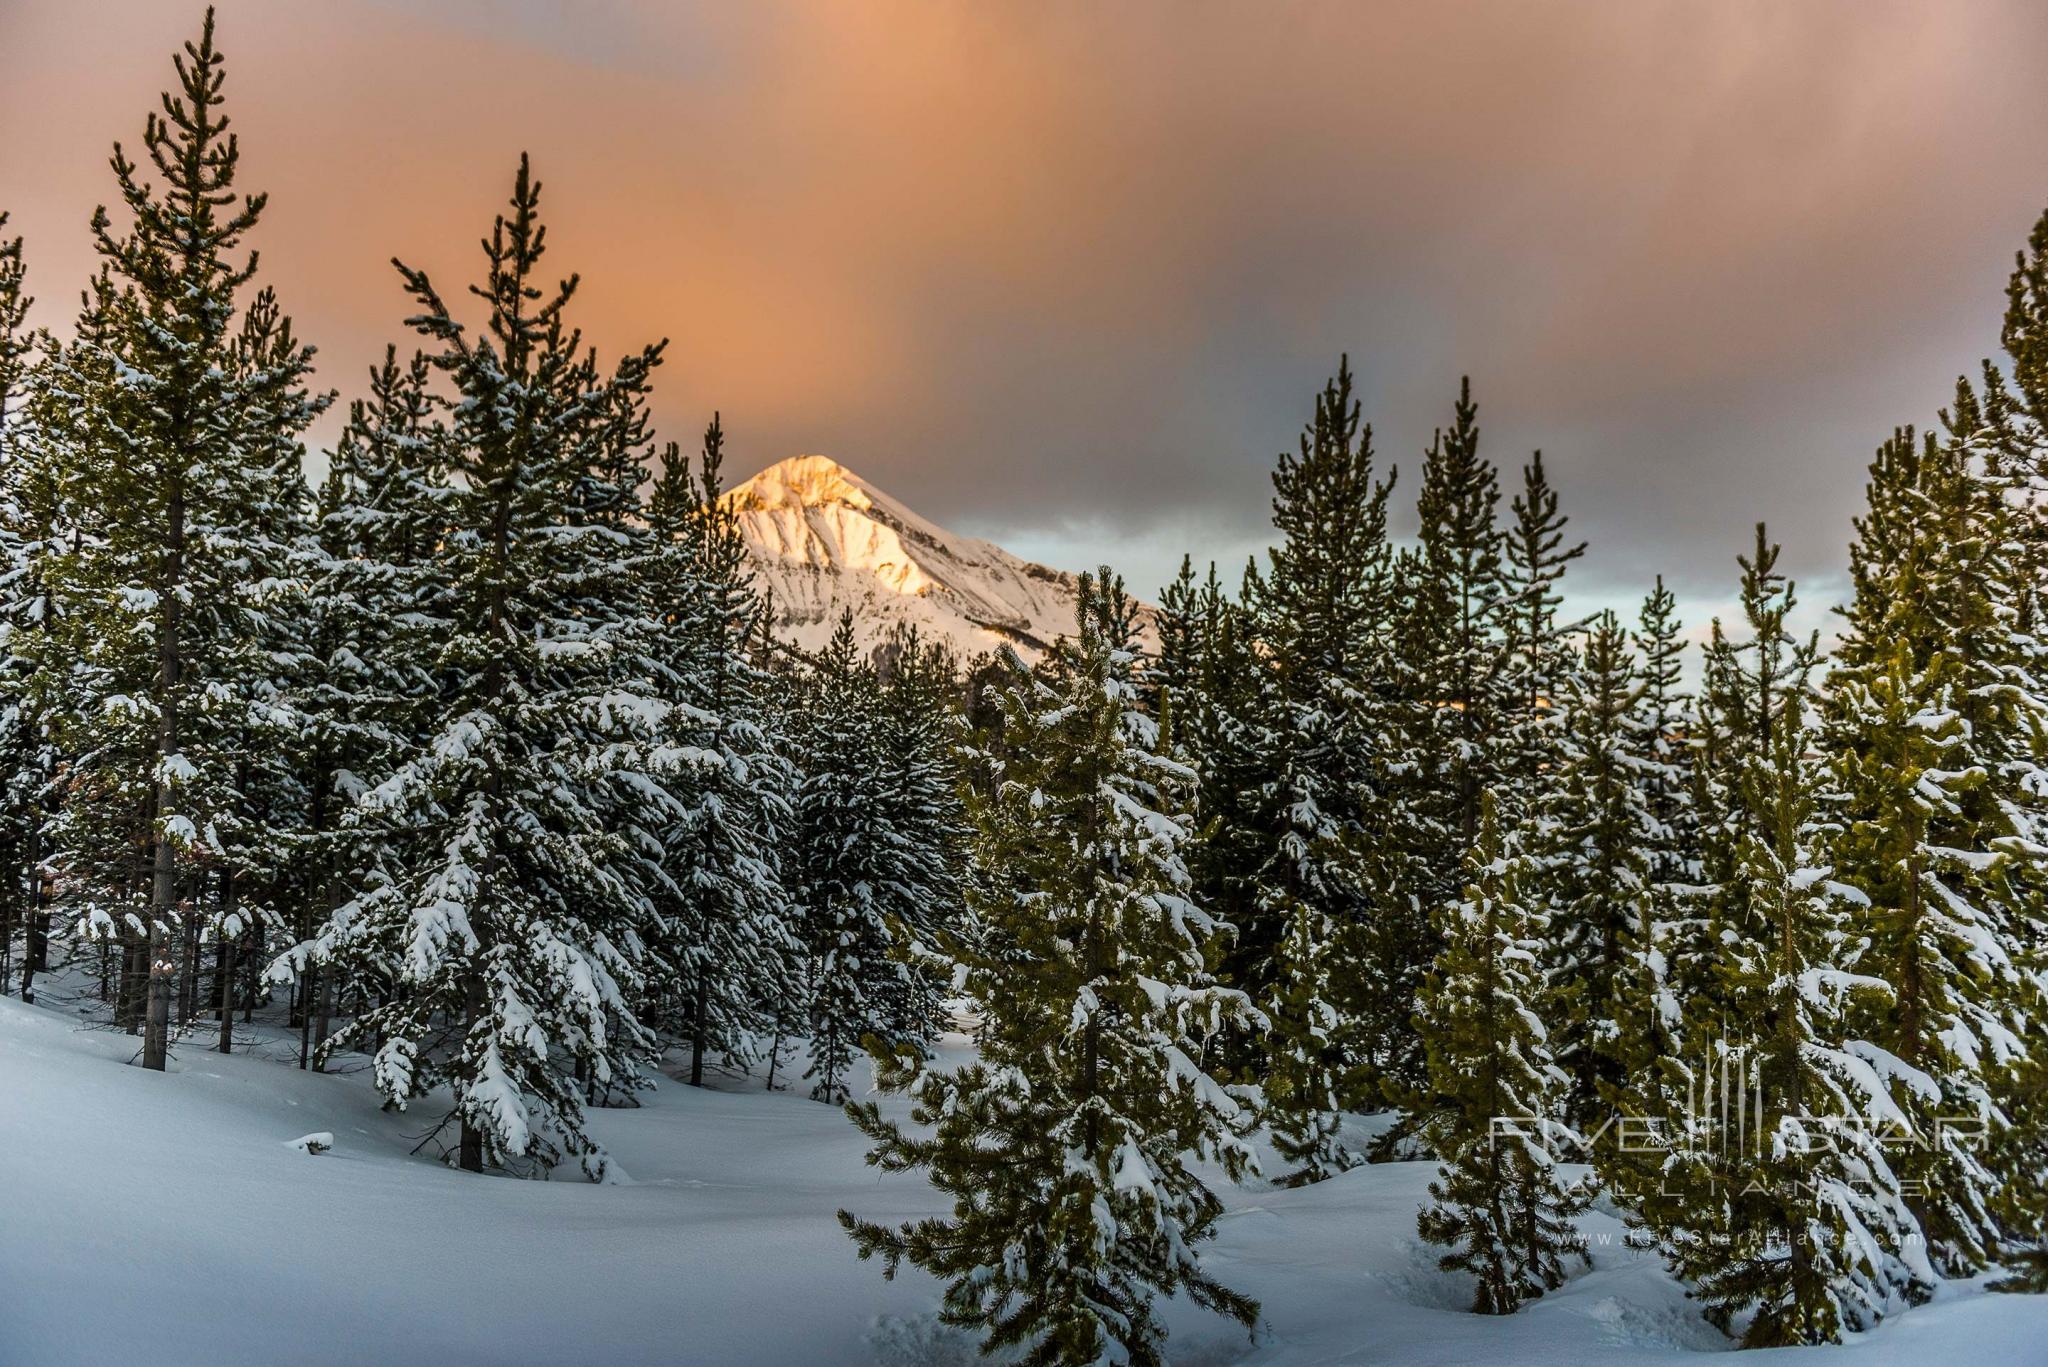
<point x="1749" y="688"/>
<point x="2002" y="663"/>
<point x="921" y="782"/>
<point x="1066" y="1147"/>
<point x="1448" y="672"/>
<point x="173" y="414"/>
<point x="847" y="860"/>
<point x="16" y="340"/>
<point x="1537" y="643"/>
<point x="507" y="915"/>
<point x="1668" y="938"/>
<point x="1320" y="612"/>
<point x="1591" y="837"/>
<point x="1788" y="1217"/>
<point x="730" y="949"/>
<point x="365" y="693"/>
<point x="1914" y="721"/>
<point x="26" y="764"/>
<point x="1500" y="1204"/>
<point x="1463" y="587"/>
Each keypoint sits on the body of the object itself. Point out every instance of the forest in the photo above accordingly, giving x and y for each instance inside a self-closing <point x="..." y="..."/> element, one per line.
<point x="462" y="748"/>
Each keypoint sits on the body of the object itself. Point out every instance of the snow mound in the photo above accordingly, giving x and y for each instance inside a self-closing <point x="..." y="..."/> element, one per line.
<point x="320" y="1141"/>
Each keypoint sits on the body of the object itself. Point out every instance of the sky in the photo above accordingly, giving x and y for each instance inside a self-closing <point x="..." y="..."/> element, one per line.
<point x="1069" y="275"/>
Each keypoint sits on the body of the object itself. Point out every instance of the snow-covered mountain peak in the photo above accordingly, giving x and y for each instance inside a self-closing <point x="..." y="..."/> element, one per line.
<point x="805" y="481"/>
<point x="823" y="539"/>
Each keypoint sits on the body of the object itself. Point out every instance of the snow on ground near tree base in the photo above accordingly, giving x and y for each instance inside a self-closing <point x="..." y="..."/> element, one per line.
<point x="166" y="1220"/>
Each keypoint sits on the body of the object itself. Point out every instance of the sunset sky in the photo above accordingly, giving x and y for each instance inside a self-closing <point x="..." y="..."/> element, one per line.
<point x="1067" y="275"/>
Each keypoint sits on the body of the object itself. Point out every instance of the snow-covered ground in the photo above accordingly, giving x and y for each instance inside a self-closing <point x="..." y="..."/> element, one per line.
<point x="165" y="1220"/>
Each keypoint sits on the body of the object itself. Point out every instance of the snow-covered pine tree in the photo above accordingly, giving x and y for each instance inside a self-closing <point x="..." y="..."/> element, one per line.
<point x="1174" y="677"/>
<point x="1067" y="1147"/>
<point x="1664" y="947"/>
<point x="1499" y="1204"/>
<point x="1921" y="837"/>
<point x="1208" y="688"/>
<point x="1311" y="1077"/>
<point x="730" y="946"/>
<point x="260" y="884"/>
<point x="1320" y="610"/>
<point x="734" y="943"/>
<point x="1785" y="1218"/>
<point x="1665" y="759"/>
<point x="1749" y="687"/>
<point x="25" y="759"/>
<point x="507" y="916"/>
<point x="16" y="339"/>
<point x="919" y="739"/>
<point x="846" y="860"/>
<point x="1215" y="712"/>
<point x="1538" y="644"/>
<point x="1449" y="675"/>
<point x="367" y="692"/>
<point x="169" y="420"/>
<point x="1451" y="663"/>
<point x="2004" y="430"/>
<point x="1588" y="845"/>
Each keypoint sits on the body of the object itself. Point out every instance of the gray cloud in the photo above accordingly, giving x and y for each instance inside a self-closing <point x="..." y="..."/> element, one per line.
<point x="1068" y="274"/>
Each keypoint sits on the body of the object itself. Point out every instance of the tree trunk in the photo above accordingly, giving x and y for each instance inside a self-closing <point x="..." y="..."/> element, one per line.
<point x="163" y="891"/>
<point x="227" y="967"/>
<point x="252" y="984"/>
<point x="308" y="984"/>
<point x="472" y="1138"/>
<point x="156" y="1019"/>
<point x="322" y="1019"/>
<point x="699" y="1016"/>
<point x="188" y="972"/>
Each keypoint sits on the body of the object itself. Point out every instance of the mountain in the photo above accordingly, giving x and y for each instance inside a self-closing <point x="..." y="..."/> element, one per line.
<point x="822" y="539"/>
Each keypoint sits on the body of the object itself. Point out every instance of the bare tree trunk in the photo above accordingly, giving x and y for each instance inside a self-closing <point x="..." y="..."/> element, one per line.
<point x="227" y="966"/>
<point x="156" y="1018"/>
<point x="308" y="984"/>
<point x="700" y="1013"/>
<point x="35" y="944"/>
<point x="188" y="972"/>
<point x="322" y="1020"/>
<point x="134" y="970"/>
<point x="252" y="979"/>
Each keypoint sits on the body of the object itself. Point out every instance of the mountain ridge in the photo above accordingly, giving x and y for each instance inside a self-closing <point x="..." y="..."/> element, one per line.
<point x="821" y="539"/>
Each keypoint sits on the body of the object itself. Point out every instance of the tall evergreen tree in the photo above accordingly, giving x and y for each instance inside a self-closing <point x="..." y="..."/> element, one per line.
<point x="1321" y="612"/>
<point x="508" y="915"/>
<point x="730" y="946"/>
<point x="1590" y="840"/>
<point x="367" y="694"/>
<point x="1067" y="1146"/>
<point x="921" y="783"/>
<point x="1918" y="705"/>
<point x="847" y="859"/>
<point x="172" y="410"/>
<point x="26" y="764"/>
<point x="2003" y="664"/>
<point x="1779" y="1207"/>
<point x="1538" y="645"/>
<point x="1500" y="1204"/>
